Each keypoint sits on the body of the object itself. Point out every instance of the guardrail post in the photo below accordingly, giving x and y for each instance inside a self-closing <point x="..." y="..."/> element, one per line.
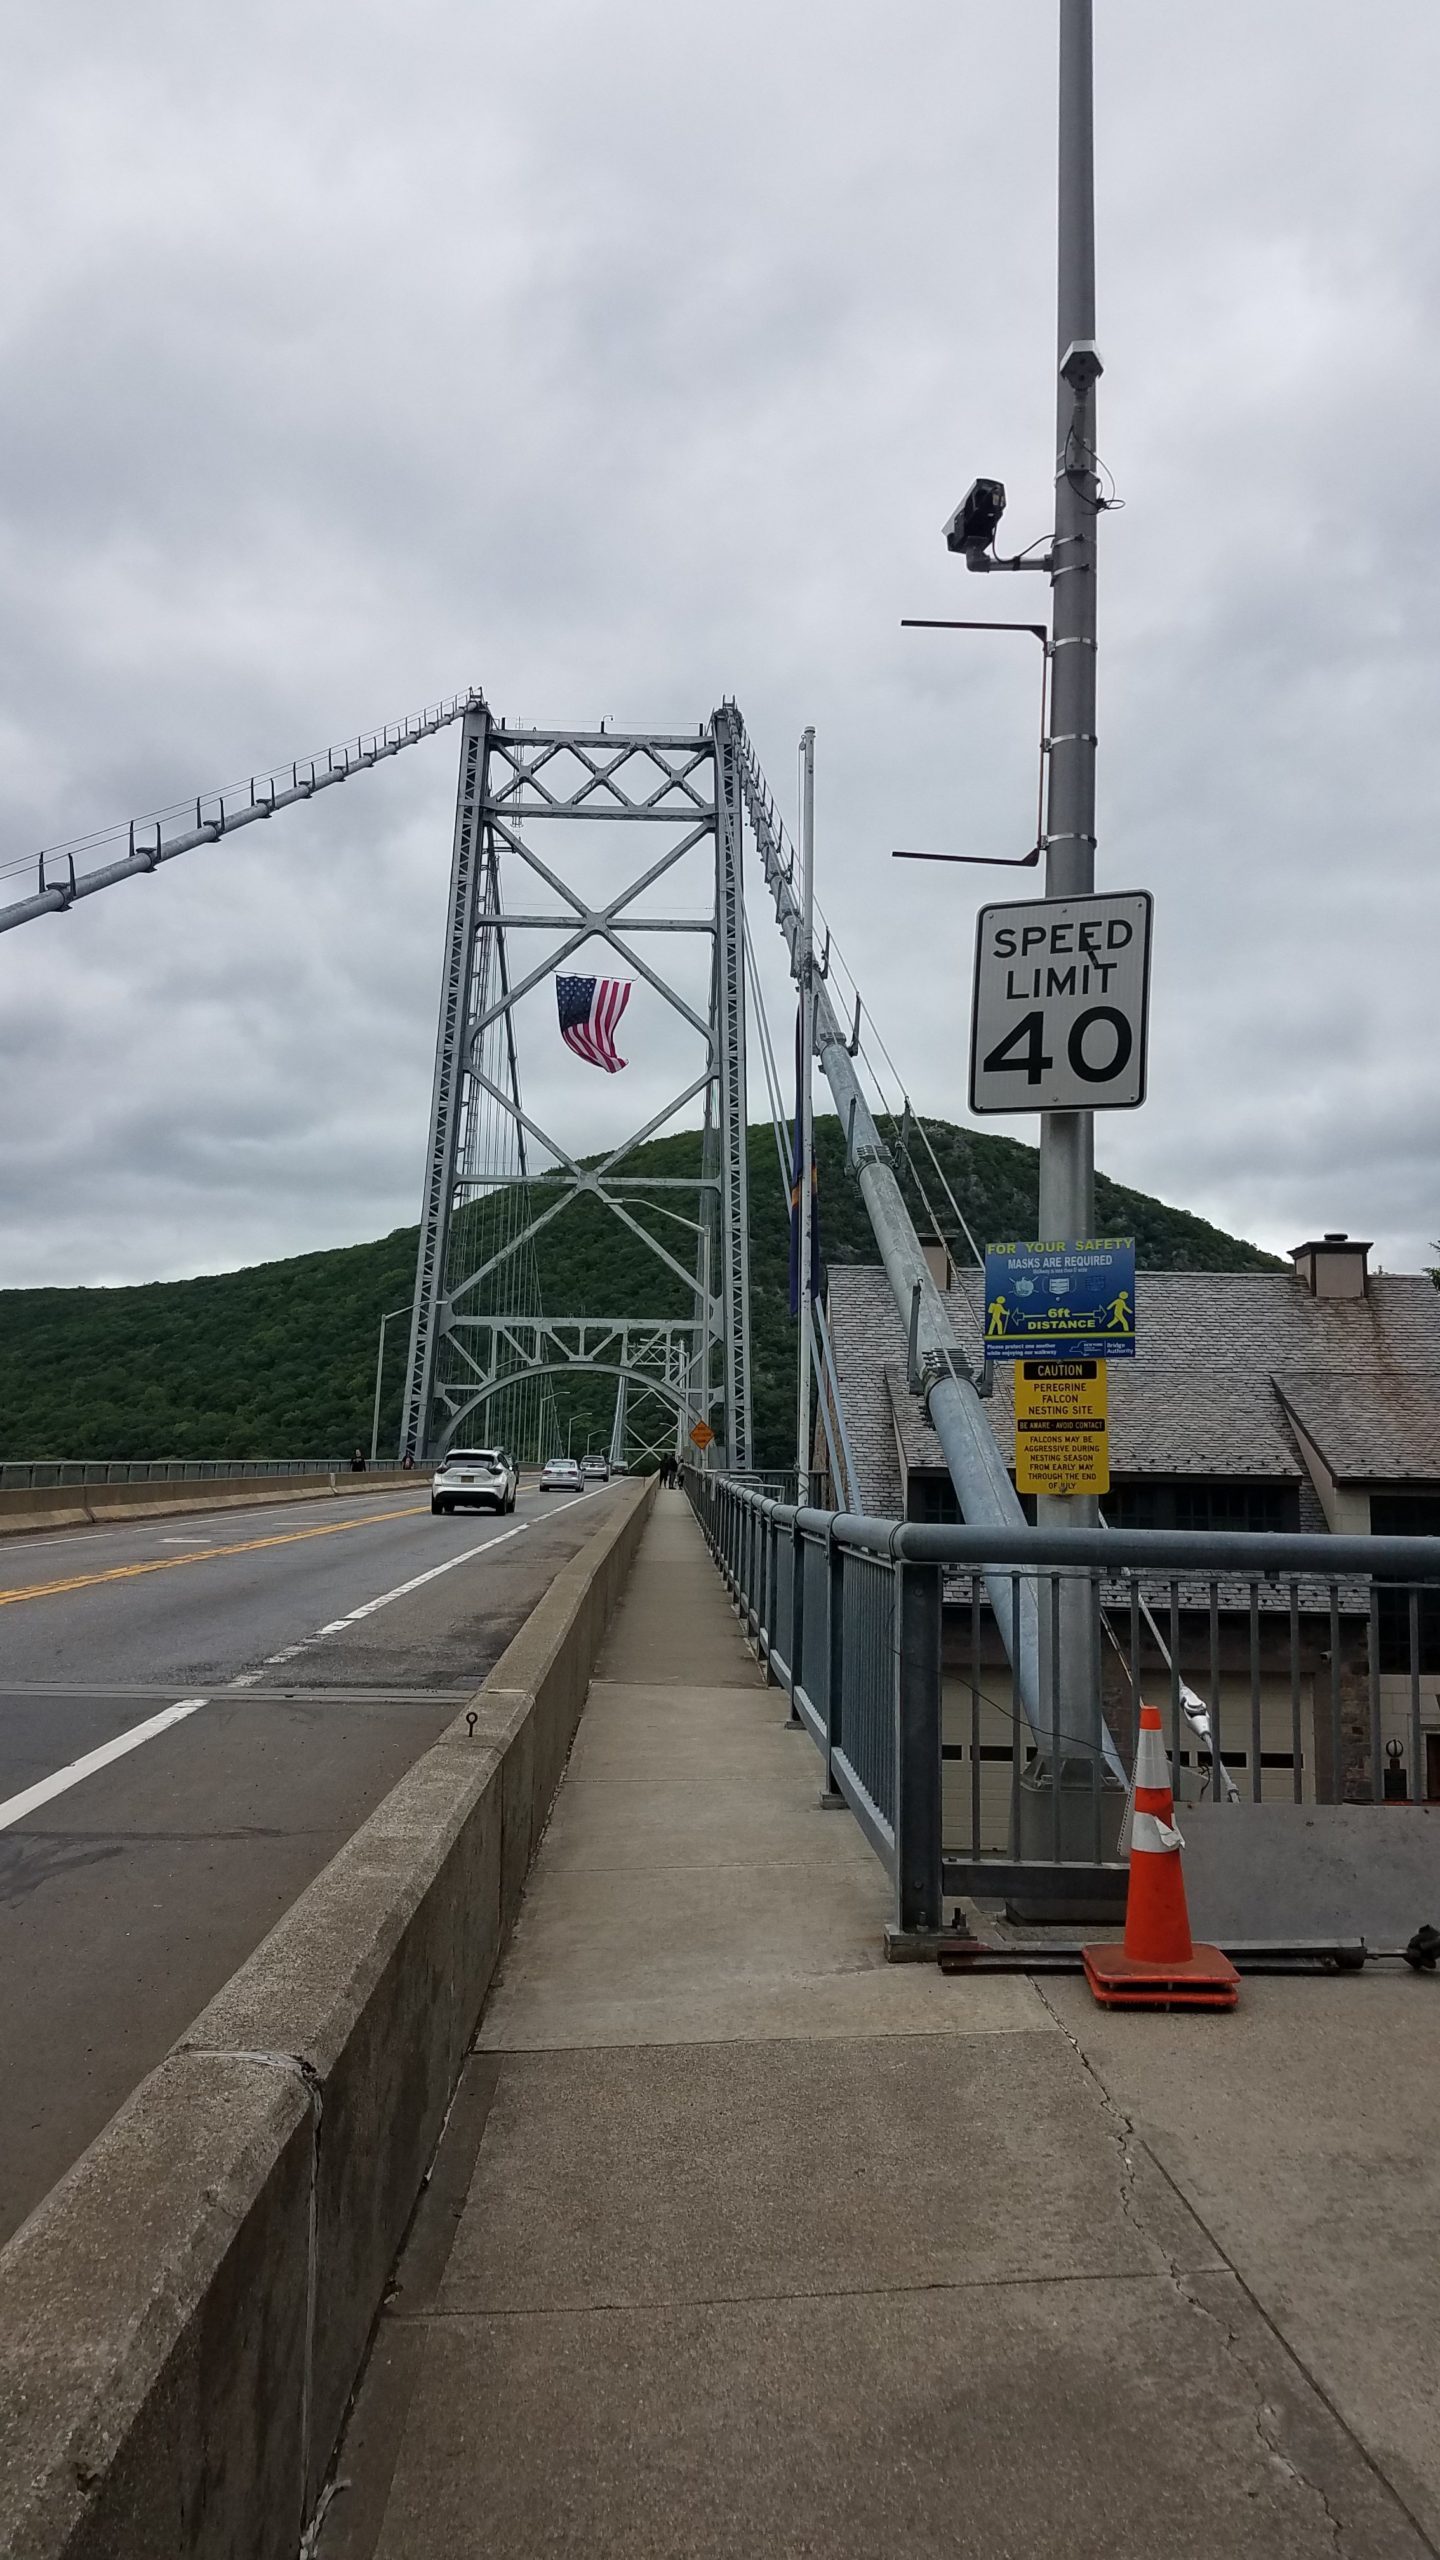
<point x="769" y="1582"/>
<point x="749" y="1539"/>
<point x="797" y="1617"/>
<point x="918" y="1763"/>
<point x="834" y="1659"/>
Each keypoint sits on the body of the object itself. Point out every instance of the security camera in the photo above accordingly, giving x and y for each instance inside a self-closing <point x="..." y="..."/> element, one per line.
<point x="1080" y="366"/>
<point x="976" y="520"/>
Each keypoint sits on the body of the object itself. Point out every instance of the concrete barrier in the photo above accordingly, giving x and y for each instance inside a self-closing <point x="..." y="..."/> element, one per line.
<point x="69" y="1506"/>
<point x="183" y="2319"/>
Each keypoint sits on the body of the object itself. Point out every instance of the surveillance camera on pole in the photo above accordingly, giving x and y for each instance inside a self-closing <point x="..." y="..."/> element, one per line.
<point x="972" y="529"/>
<point x="976" y="521"/>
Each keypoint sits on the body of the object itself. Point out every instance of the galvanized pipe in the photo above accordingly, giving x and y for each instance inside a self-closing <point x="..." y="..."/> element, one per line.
<point x="1197" y="1555"/>
<point x="977" y="1470"/>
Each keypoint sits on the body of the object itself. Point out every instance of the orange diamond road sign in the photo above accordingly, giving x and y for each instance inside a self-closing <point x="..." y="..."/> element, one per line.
<point x="702" y="1435"/>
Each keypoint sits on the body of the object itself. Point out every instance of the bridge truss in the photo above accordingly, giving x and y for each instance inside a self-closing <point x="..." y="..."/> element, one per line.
<point x="621" y="817"/>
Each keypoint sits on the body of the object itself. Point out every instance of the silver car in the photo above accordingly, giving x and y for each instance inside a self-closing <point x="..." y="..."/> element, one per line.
<point x="561" y="1475"/>
<point x="475" y="1479"/>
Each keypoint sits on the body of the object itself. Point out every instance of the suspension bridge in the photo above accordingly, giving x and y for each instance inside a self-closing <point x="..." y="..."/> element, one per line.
<point x="525" y="2230"/>
<point x="635" y="842"/>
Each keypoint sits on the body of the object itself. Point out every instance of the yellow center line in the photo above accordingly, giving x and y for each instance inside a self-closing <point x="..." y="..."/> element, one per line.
<point x="205" y="1555"/>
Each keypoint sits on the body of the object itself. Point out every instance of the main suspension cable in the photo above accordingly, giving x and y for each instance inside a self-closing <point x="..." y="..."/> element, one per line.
<point x="217" y="813"/>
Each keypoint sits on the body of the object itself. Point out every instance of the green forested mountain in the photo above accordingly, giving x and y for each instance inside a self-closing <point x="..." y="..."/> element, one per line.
<point x="278" y="1360"/>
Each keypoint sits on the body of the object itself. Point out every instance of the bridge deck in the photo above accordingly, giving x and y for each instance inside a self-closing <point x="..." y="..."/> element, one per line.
<point x="743" y="2243"/>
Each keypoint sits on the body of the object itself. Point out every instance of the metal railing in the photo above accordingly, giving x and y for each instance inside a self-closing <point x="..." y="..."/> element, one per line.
<point x="61" y="875"/>
<point x="33" y="1474"/>
<point x="1302" y="1669"/>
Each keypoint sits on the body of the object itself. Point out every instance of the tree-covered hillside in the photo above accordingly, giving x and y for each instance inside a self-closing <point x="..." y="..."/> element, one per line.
<point x="279" y="1360"/>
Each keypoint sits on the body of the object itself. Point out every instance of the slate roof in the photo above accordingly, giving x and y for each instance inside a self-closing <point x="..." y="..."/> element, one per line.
<point x="1369" y="1430"/>
<point x="1225" y="1359"/>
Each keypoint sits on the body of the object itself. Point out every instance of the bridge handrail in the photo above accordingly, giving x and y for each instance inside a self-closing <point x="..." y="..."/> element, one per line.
<point x="34" y="1475"/>
<point x="885" y="1635"/>
<point x="1193" y="1554"/>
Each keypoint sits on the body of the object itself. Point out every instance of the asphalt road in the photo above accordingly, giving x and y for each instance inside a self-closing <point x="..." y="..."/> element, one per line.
<point x="194" y="1714"/>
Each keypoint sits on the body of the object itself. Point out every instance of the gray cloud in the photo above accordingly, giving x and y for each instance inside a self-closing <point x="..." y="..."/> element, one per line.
<point x="617" y="365"/>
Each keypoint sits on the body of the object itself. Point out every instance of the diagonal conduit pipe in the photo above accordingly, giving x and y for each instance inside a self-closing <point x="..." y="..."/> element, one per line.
<point x="979" y="1474"/>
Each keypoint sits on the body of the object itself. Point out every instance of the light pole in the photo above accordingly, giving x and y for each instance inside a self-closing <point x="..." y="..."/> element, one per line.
<point x="379" y="1375"/>
<point x="804" y="1111"/>
<point x="1067" y="1138"/>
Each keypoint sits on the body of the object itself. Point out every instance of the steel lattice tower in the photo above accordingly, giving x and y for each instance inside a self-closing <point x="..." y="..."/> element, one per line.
<point x="483" y="1349"/>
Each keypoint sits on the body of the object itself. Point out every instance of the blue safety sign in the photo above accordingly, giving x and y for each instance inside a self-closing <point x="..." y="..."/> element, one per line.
<point x="1061" y="1301"/>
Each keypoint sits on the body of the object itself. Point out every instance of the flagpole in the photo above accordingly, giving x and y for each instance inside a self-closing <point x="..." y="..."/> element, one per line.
<point x="805" y="1109"/>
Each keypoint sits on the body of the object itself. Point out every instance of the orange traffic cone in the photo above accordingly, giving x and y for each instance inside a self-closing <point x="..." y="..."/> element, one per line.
<point x="1159" y="1965"/>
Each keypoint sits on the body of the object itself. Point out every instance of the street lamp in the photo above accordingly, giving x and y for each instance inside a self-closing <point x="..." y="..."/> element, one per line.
<point x="379" y="1374"/>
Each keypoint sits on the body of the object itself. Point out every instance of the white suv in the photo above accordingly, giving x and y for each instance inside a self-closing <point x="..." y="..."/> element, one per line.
<point x="482" y="1479"/>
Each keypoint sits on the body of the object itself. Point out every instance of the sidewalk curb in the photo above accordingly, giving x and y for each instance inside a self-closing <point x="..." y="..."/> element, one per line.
<point x="183" y="2317"/>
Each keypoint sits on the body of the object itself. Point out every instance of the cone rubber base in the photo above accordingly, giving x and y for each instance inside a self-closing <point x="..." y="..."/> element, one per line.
<point x="1205" y="1979"/>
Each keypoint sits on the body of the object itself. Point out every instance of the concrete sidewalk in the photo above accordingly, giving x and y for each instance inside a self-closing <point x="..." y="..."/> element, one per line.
<point x="743" y="2243"/>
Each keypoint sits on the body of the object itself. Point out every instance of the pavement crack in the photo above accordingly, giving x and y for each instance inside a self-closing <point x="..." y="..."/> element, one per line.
<point x="1267" y="2419"/>
<point x="1006" y="2280"/>
<point x="1121" y="2129"/>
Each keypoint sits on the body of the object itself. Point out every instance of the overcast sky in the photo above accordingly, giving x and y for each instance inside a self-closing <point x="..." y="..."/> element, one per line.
<point x="618" y="358"/>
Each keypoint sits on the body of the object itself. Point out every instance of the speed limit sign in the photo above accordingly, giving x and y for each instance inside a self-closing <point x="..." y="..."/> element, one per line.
<point x="1062" y="999"/>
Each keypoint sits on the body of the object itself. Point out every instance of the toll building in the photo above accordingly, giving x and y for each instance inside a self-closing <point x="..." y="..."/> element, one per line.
<point x="1306" y="1399"/>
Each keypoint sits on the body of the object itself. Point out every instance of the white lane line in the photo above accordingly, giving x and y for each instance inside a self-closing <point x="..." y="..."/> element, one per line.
<point x="15" y="1808"/>
<point x="249" y="1679"/>
<point x="369" y="1607"/>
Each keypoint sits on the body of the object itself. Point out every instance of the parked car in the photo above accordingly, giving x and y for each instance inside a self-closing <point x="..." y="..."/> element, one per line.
<point x="595" y="1464"/>
<point x="478" y="1479"/>
<point x="561" y="1475"/>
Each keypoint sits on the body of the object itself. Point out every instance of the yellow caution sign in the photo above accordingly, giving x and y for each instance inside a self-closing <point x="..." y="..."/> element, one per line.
<point x="701" y="1434"/>
<point x="1062" y="1427"/>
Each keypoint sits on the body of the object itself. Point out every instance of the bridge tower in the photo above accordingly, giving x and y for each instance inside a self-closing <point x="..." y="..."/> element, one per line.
<point x="642" y="842"/>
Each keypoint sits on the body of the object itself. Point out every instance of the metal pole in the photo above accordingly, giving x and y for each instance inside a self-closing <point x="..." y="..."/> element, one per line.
<point x="918" y="1748"/>
<point x="379" y="1374"/>
<point x="1067" y="1138"/>
<point x="446" y="1116"/>
<point x="977" y="1470"/>
<point x="804" y="1104"/>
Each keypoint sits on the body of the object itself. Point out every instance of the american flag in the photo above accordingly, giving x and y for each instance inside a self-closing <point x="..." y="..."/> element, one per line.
<point x="590" y="1010"/>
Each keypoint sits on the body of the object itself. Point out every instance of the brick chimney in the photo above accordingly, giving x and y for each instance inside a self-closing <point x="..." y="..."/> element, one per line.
<point x="1333" y="1265"/>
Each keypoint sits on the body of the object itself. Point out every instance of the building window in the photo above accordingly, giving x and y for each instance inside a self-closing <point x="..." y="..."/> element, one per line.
<point x="1201" y="1503"/>
<point x="1407" y="1515"/>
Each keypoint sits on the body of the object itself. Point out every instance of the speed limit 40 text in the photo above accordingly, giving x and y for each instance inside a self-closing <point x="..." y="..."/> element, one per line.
<point x="1061" y="1004"/>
